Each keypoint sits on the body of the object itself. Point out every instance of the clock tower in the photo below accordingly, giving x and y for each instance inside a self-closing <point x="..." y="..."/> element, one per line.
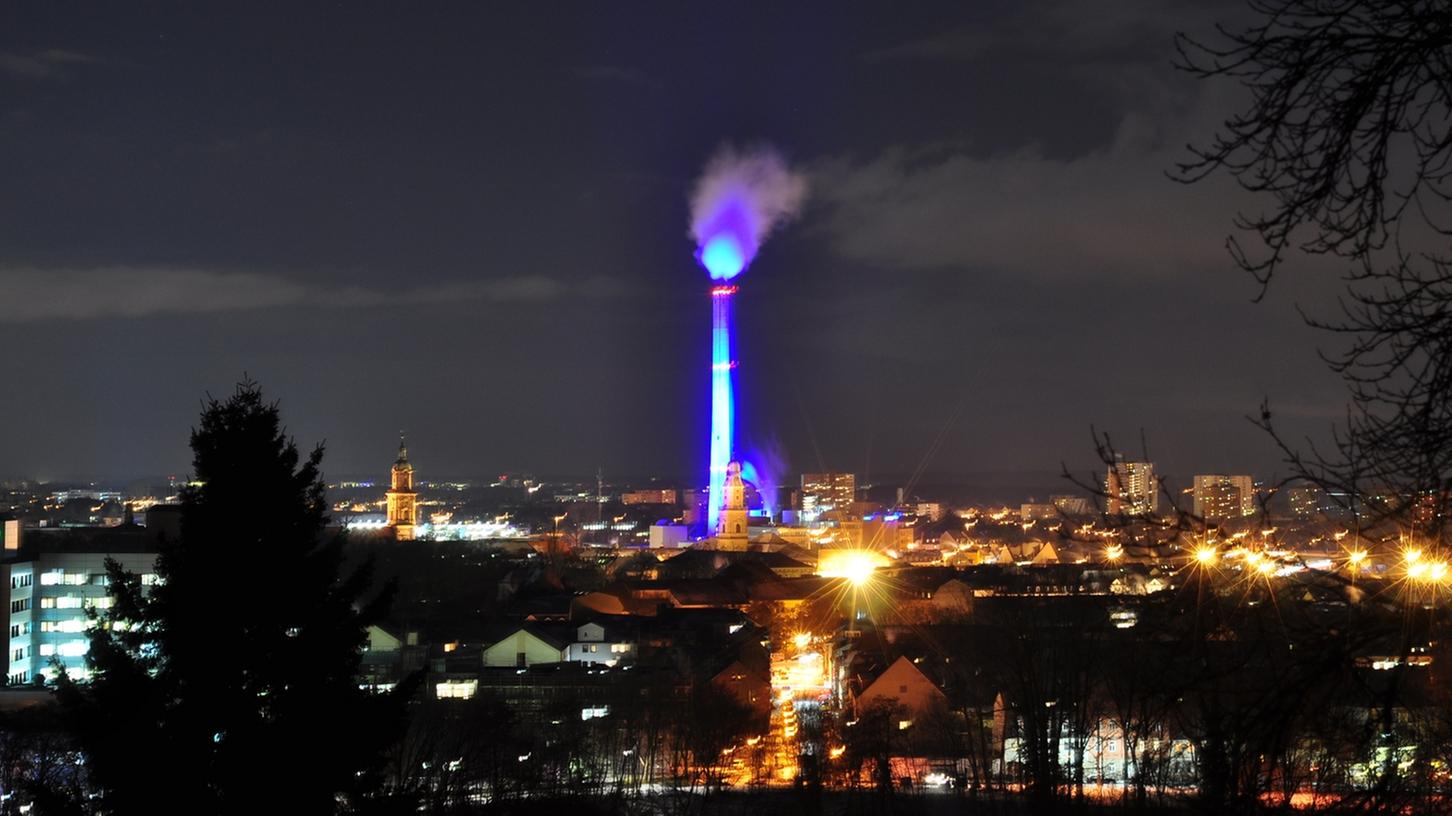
<point x="402" y="500"/>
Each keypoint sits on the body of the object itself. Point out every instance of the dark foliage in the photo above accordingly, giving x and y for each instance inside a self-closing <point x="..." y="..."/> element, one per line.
<point x="229" y="687"/>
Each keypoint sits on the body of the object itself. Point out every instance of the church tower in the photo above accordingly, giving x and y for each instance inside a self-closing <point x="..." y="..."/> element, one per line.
<point x="731" y="522"/>
<point x="402" y="501"/>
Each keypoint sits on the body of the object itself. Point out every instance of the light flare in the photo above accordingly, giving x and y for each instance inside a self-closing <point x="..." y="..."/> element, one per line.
<point x="856" y="566"/>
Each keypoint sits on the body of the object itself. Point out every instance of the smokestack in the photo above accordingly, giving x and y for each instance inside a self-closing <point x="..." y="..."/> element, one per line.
<point x="739" y="199"/>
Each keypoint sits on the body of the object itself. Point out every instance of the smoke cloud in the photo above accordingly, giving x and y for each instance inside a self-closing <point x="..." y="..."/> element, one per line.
<point x="764" y="466"/>
<point x="131" y="292"/>
<point x="739" y="199"/>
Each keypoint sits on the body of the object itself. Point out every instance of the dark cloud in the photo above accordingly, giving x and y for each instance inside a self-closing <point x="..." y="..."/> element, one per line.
<point x="1110" y="210"/>
<point x="69" y="294"/>
<point x="1064" y="32"/>
<point x="46" y="64"/>
<point x="468" y="220"/>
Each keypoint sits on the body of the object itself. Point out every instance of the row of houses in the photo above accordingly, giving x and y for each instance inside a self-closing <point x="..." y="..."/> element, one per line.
<point x="590" y="653"/>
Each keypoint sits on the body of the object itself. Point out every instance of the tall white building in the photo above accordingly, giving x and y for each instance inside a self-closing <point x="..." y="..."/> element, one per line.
<point x="1131" y="488"/>
<point x="52" y="581"/>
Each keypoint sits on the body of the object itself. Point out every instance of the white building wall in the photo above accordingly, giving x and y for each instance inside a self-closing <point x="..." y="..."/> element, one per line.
<point x="50" y="595"/>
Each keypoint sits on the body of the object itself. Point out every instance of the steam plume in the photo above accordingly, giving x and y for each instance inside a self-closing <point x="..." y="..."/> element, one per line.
<point x="739" y="198"/>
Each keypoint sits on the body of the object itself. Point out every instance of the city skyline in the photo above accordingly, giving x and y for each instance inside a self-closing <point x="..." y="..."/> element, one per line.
<point x="486" y="241"/>
<point x="751" y="408"/>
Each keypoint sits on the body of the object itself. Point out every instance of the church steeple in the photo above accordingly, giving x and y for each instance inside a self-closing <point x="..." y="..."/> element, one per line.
<point x="731" y="533"/>
<point x="402" y="470"/>
<point x="402" y="500"/>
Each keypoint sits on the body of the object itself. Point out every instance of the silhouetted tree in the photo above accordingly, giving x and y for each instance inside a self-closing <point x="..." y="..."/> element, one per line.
<point x="229" y="686"/>
<point x="871" y="740"/>
<point x="1348" y="138"/>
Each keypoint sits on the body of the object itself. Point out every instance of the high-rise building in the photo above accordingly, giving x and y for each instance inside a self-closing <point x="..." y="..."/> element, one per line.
<point x="932" y="511"/>
<point x="1131" y="488"/>
<point x="55" y="581"/>
<point x="824" y="493"/>
<point x="1429" y="512"/>
<point x="1305" y="501"/>
<point x="402" y="500"/>
<point x="1219" y="497"/>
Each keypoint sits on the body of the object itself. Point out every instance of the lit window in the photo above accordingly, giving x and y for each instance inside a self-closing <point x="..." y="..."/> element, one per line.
<point x="592" y="712"/>
<point x="52" y="577"/>
<point x="47" y="649"/>
<point x="456" y="689"/>
<point x="620" y="648"/>
<point x="903" y="725"/>
<point x="68" y="602"/>
<point x="73" y="648"/>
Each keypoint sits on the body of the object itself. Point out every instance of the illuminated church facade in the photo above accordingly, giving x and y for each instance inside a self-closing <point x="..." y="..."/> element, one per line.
<point x="402" y="500"/>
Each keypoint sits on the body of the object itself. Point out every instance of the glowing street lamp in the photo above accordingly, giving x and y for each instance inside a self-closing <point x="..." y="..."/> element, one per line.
<point x="856" y="566"/>
<point x="1437" y="571"/>
<point x="1206" y="556"/>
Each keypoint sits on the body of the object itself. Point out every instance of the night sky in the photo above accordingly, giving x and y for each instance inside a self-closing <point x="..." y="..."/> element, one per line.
<point x="469" y="221"/>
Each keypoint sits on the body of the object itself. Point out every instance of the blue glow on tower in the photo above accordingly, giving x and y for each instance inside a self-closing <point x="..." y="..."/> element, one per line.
<point x="738" y="200"/>
<point x="723" y="399"/>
